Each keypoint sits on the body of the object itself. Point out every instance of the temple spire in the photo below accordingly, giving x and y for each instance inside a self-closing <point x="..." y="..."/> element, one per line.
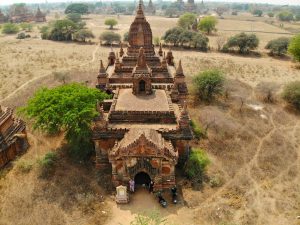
<point x="140" y="12"/>
<point x="160" y="51"/>
<point x="102" y="71"/>
<point x="179" y="70"/>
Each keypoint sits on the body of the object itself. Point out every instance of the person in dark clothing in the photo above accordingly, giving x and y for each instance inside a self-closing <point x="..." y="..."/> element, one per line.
<point x="151" y="186"/>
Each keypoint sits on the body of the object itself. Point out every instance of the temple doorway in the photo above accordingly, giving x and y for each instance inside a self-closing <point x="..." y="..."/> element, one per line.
<point x="142" y="178"/>
<point x="142" y="86"/>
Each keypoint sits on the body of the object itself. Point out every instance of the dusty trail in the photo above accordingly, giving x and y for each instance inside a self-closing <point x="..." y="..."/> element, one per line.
<point x="43" y="76"/>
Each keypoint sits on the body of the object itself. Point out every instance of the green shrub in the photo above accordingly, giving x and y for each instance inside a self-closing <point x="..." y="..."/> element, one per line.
<point x="196" y="165"/>
<point x="21" y="35"/>
<point x="47" y="164"/>
<point x="208" y="24"/>
<point x="126" y="36"/>
<point x="244" y="42"/>
<point x="278" y="46"/>
<point x="215" y="181"/>
<point x="294" y="47"/>
<point x="198" y="131"/>
<point x="257" y="12"/>
<point x="285" y="16"/>
<point x="208" y="84"/>
<point x="111" y="23"/>
<point x="10" y="28"/>
<point x="110" y="37"/>
<point x="291" y="94"/>
<point x="24" y="166"/>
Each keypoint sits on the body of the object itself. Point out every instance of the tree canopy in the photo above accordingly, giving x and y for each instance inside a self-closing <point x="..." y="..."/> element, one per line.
<point x="70" y="108"/>
<point x="75" y="17"/>
<point x="83" y="34"/>
<point x="111" y="23"/>
<point x="291" y="93"/>
<point x="172" y="35"/>
<point x="285" y="16"/>
<point x="186" y="20"/>
<point x="110" y="37"/>
<point x="196" y="165"/>
<point x="294" y="47"/>
<point x="278" y="46"/>
<point x="257" y="12"/>
<point x="208" y="24"/>
<point x="208" y="84"/>
<point x="77" y="8"/>
<point x="244" y="42"/>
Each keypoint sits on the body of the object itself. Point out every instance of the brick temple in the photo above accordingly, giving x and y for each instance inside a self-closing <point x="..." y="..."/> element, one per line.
<point x="143" y="132"/>
<point x="13" y="139"/>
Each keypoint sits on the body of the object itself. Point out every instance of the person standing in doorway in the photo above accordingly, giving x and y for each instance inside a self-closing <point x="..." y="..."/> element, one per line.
<point x="151" y="186"/>
<point x="131" y="185"/>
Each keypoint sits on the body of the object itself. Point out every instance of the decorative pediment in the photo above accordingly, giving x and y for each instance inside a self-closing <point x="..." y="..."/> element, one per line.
<point x="139" y="143"/>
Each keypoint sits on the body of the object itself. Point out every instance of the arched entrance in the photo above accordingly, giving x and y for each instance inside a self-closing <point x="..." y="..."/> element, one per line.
<point x="142" y="86"/>
<point x="142" y="178"/>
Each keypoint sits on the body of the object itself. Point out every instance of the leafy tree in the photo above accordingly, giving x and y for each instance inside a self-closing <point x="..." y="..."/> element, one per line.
<point x="172" y="35"/>
<point x="126" y="36"/>
<point x="257" y="12"/>
<point x="271" y="14"/>
<point x="278" y="46"/>
<point x="186" y="37"/>
<point x="208" y="24"/>
<point x="10" y="28"/>
<point x="244" y="42"/>
<point x="111" y="23"/>
<point x="294" y="47"/>
<point x="291" y="94"/>
<point x="285" y="16"/>
<point x="171" y="11"/>
<point x="186" y="20"/>
<point x="63" y="30"/>
<point x="297" y="16"/>
<point x="208" y="84"/>
<point x="26" y="27"/>
<point x="69" y="108"/>
<point x="77" y="8"/>
<point x="196" y="165"/>
<point x="110" y="37"/>
<point x="200" y="41"/>
<point x="75" y="17"/>
<point x="83" y="34"/>
<point x="156" y="41"/>
<point x="221" y="10"/>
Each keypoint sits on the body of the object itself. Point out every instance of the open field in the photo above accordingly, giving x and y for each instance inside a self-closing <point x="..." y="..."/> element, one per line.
<point x="255" y="150"/>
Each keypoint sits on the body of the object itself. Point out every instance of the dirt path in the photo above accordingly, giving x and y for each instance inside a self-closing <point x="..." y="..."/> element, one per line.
<point x="43" y="76"/>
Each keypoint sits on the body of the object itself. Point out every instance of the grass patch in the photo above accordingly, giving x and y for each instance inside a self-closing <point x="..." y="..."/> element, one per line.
<point x="197" y="129"/>
<point x="24" y="166"/>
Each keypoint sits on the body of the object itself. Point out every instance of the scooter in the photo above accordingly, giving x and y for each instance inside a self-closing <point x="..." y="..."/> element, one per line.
<point x="162" y="201"/>
<point x="174" y="194"/>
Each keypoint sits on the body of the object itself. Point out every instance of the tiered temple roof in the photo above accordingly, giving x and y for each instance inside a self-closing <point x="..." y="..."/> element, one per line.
<point x="141" y="125"/>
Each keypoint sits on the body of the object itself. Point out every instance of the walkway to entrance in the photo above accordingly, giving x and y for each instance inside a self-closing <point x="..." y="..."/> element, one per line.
<point x="142" y="178"/>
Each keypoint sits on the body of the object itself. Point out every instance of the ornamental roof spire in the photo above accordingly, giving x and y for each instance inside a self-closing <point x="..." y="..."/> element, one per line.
<point x="140" y="12"/>
<point x="179" y="70"/>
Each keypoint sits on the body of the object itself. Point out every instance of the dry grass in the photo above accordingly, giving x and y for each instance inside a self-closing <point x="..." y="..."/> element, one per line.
<point x="70" y="196"/>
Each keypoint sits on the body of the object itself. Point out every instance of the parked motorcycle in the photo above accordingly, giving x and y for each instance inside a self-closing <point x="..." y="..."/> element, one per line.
<point x="161" y="200"/>
<point x="174" y="194"/>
